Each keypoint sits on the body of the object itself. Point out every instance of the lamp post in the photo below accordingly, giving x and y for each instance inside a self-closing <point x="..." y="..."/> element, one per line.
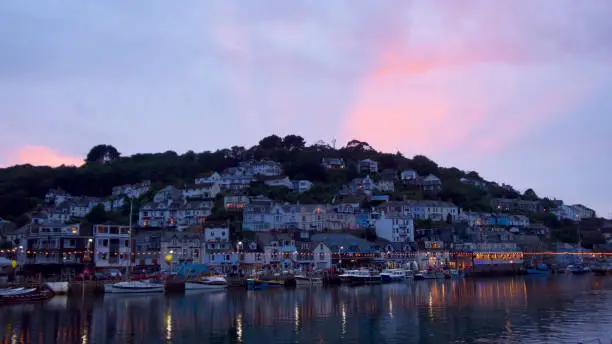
<point x="239" y="246"/>
<point x="339" y="256"/>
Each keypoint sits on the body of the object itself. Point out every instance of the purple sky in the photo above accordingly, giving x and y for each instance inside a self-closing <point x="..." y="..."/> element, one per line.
<point x="516" y="90"/>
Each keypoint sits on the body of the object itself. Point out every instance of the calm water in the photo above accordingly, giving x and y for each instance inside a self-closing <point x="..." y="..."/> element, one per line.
<point x="558" y="309"/>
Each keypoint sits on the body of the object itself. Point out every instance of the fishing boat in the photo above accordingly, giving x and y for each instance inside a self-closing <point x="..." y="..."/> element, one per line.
<point x="365" y="276"/>
<point x="207" y="283"/>
<point x="58" y="288"/>
<point x="453" y="274"/>
<point x="578" y="269"/>
<point x="304" y="281"/>
<point x="347" y="276"/>
<point x="602" y="269"/>
<point x="255" y="284"/>
<point x="393" y="275"/>
<point x="25" y="295"/>
<point x="542" y="269"/>
<point x="134" y="287"/>
<point x="275" y="283"/>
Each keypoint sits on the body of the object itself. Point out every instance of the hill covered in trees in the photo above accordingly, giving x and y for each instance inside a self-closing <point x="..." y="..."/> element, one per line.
<point x="23" y="187"/>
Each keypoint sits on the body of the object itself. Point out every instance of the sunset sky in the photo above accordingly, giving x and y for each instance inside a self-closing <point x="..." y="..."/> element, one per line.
<point x="519" y="91"/>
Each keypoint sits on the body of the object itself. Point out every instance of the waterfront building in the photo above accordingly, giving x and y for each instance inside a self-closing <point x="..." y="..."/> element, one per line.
<point x="179" y="248"/>
<point x="112" y="245"/>
<point x="56" y="244"/>
<point x="395" y="228"/>
<point x="147" y="247"/>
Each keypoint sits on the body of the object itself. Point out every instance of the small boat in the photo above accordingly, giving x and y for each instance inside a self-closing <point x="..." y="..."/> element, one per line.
<point x="207" y="283"/>
<point x="275" y="283"/>
<point x="602" y="269"/>
<point x="5" y="291"/>
<point x="134" y="287"/>
<point x="254" y="284"/>
<point x="393" y="275"/>
<point x="453" y="274"/>
<point x="419" y="276"/>
<point x="26" y="295"/>
<point x="365" y="277"/>
<point x="578" y="269"/>
<point x="429" y="274"/>
<point x="542" y="269"/>
<point x="302" y="281"/>
<point x="58" y="288"/>
<point x="347" y="276"/>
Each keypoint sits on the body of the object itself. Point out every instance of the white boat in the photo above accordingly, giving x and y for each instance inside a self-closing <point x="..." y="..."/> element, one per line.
<point x="210" y="282"/>
<point x="9" y="290"/>
<point x="58" y="287"/>
<point x="301" y="281"/>
<point x="393" y="275"/>
<point x="17" y="291"/>
<point x="134" y="287"/>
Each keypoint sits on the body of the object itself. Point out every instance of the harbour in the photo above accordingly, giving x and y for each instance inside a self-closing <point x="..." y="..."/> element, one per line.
<point x="561" y="308"/>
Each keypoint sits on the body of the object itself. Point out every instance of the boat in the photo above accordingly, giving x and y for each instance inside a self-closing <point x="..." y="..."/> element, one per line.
<point x="347" y="276"/>
<point x="302" y="281"/>
<point x="418" y="276"/>
<point x="602" y="269"/>
<point x="393" y="275"/>
<point x="578" y="269"/>
<point x="453" y="274"/>
<point x="365" y="276"/>
<point x="17" y="291"/>
<point x="58" y="288"/>
<point x="9" y="290"/>
<point x="26" y="295"/>
<point x="275" y="283"/>
<point x="254" y="284"/>
<point x="542" y="269"/>
<point x="430" y="274"/>
<point x="207" y="283"/>
<point x="134" y="287"/>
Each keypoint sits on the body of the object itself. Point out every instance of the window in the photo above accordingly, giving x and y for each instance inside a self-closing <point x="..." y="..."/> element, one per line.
<point x="105" y="243"/>
<point x="321" y="256"/>
<point x="126" y="243"/>
<point x="196" y="253"/>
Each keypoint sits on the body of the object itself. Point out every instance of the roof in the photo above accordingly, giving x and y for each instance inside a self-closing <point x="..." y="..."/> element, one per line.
<point x="199" y="186"/>
<point x="167" y="236"/>
<point x="349" y="242"/>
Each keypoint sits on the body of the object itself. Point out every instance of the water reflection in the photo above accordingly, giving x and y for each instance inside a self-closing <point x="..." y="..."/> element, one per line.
<point x="556" y="309"/>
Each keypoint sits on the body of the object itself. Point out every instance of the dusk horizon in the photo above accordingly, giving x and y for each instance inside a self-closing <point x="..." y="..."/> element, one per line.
<point x="515" y="93"/>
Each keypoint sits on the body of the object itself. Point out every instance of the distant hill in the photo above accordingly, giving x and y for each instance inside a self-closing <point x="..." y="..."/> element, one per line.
<point x="23" y="187"/>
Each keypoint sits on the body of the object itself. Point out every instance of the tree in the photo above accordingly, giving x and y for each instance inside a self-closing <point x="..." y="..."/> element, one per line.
<point x="358" y="145"/>
<point x="271" y="142"/>
<point x="530" y="195"/>
<point x="424" y="166"/>
<point x="102" y="154"/>
<point x="97" y="215"/>
<point x="292" y="142"/>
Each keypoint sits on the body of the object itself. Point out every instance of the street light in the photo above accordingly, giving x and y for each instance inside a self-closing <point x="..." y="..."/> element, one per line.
<point x="339" y="256"/>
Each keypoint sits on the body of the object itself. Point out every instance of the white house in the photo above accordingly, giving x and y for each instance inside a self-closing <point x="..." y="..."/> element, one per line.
<point x="57" y="214"/>
<point x="263" y="167"/>
<point x="211" y="177"/>
<point x="181" y="248"/>
<point x="333" y="163"/>
<point x="407" y="175"/>
<point x="112" y="245"/>
<point x="279" y="181"/>
<point x="584" y="212"/>
<point x="217" y="239"/>
<point x="365" y="185"/>
<point x="132" y="190"/>
<point x="203" y="190"/>
<point x="301" y="185"/>
<point x="367" y="166"/>
<point x="322" y="256"/>
<point x="114" y="203"/>
<point x="395" y="228"/>
<point x="236" y="181"/>
<point x="193" y="213"/>
<point x="168" y="193"/>
<point x="519" y="221"/>
<point x="235" y="202"/>
<point x="432" y="183"/>
<point x="57" y="196"/>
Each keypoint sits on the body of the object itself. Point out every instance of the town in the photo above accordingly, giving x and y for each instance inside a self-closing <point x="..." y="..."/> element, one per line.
<point x="214" y="224"/>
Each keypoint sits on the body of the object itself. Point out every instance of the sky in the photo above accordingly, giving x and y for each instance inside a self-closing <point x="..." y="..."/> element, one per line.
<point x="517" y="90"/>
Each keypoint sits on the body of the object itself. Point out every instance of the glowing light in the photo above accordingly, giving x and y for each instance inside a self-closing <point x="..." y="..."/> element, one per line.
<point x="239" y="327"/>
<point x="168" y="323"/>
<point x="343" y="318"/>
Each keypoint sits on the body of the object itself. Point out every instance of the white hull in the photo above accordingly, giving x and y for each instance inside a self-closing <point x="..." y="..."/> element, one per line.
<point x="58" y="287"/>
<point x="133" y="288"/>
<point x="202" y="286"/>
<point x="308" y="282"/>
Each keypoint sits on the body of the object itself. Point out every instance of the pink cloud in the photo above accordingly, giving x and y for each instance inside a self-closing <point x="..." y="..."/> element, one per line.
<point x="40" y="156"/>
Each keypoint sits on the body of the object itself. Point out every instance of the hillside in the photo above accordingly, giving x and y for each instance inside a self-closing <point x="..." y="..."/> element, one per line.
<point x="23" y="187"/>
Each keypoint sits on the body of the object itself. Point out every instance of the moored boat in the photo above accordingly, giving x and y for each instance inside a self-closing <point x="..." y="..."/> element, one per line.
<point x="26" y="295"/>
<point x="6" y="291"/>
<point x="254" y="284"/>
<point x="578" y="269"/>
<point x="542" y="269"/>
<point x="453" y="274"/>
<point x="58" y="288"/>
<point x="207" y="283"/>
<point x="393" y="275"/>
<point x="134" y="287"/>
<point x="365" y="277"/>
<point x="304" y="281"/>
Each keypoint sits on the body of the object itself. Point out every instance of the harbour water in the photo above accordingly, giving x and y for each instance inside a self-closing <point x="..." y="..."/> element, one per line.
<point x="548" y="309"/>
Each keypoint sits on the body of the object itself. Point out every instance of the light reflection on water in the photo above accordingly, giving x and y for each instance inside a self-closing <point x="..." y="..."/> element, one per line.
<point x="557" y="309"/>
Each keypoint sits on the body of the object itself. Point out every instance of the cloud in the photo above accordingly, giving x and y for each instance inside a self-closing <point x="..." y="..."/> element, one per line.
<point x="39" y="156"/>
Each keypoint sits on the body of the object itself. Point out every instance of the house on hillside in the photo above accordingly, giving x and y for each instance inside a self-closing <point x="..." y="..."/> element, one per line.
<point x="203" y="190"/>
<point x="210" y="177"/>
<point x="367" y="166"/>
<point x="301" y="185"/>
<point x="169" y="193"/>
<point x="362" y="185"/>
<point x="278" y="181"/>
<point x="333" y="163"/>
<point x="262" y="167"/>
<point x="432" y="183"/>
<point x="132" y="190"/>
<point x="408" y="175"/>
<point x="386" y="181"/>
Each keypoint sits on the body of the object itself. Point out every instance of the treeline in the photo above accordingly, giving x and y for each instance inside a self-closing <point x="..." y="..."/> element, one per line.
<point x="23" y="187"/>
